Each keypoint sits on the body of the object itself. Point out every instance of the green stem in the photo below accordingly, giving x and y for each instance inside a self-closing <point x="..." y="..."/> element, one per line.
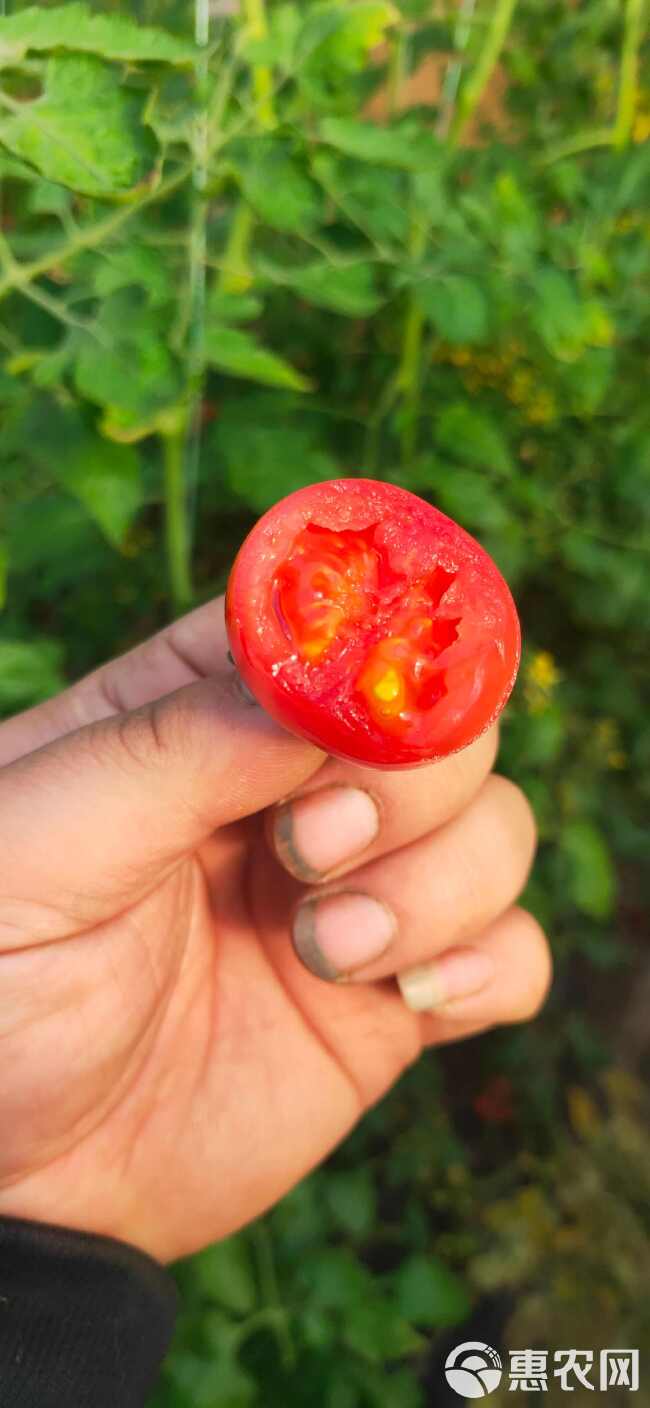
<point x="396" y="69"/>
<point x="270" y="1290"/>
<point x="451" y="81"/>
<point x="410" y="366"/>
<point x="177" y="534"/>
<point x="196" y="291"/>
<point x="410" y="378"/>
<point x="236" y="275"/>
<point x="483" y="69"/>
<point x="629" y="72"/>
<point x="409" y="370"/>
<point x="254" y="12"/>
<point x="581" y="142"/>
<point x="19" y="275"/>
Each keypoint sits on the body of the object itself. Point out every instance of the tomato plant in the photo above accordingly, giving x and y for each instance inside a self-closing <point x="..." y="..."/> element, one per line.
<point x="367" y="621"/>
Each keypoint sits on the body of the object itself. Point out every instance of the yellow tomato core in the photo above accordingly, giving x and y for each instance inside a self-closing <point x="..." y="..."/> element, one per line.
<point x="338" y="588"/>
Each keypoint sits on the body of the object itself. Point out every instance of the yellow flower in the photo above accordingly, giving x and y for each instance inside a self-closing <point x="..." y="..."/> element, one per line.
<point x="641" y="129"/>
<point x="608" y="744"/>
<point x="542" y="409"/>
<point x="521" y="384"/>
<point x="540" y="679"/>
<point x="600" y="331"/>
<point x="543" y="670"/>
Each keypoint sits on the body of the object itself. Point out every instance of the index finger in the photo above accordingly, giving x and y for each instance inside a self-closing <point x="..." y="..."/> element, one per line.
<point x="189" y="649"/>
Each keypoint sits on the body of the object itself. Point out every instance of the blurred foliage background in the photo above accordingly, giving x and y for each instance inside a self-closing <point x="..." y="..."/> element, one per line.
<point x="256" y="245"/>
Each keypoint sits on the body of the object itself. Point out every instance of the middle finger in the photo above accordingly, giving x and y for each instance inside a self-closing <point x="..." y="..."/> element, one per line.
<point x="400" y="912"/>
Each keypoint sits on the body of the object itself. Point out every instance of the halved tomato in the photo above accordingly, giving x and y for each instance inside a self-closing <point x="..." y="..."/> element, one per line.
<point x="367" y="621"/>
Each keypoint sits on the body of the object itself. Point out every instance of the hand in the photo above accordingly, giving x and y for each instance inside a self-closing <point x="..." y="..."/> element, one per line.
<point x="170" y="1065"/>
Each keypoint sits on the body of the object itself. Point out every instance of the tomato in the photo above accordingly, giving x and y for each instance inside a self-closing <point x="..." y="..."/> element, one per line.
<point x="367" y="621"/>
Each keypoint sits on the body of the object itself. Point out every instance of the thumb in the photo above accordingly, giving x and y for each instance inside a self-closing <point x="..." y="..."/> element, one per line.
<point x="90" y="821"/>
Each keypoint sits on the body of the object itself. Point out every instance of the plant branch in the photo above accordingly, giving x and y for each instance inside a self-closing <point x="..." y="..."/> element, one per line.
<point x="396" y="69"/>
<point x="270" y="1289"/>
<point x="629" y="72"/>
<point x="176" y="521"/>
<point x="451" y="81"/>
<point x="193" y="333"/>
<point x="581" y="142"/>
<point x="481" y="74"/>
<point x="89" y="237"/>
<point x="408" y="379"/>
<point x="257" y="25"/>
<point x="236" y="274"/>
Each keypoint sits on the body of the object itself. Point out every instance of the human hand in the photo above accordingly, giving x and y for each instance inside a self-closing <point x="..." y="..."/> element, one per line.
<point x="170" y="1065"/>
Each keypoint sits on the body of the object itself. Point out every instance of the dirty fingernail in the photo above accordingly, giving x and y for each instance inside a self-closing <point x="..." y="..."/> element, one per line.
<point x="459" y="973"/>
<point x="335" y="934"/>
<point x="317" y="833"/>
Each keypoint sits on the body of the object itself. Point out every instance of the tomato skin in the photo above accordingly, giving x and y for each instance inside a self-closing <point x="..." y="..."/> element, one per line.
<point x="390" y="655"/>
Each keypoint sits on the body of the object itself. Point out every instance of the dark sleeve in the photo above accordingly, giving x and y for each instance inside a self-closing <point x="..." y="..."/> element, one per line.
<point x="84" y="1321"/>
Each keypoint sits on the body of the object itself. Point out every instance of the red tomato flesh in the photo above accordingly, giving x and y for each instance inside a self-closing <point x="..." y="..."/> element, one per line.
<point x="367" y="621"/>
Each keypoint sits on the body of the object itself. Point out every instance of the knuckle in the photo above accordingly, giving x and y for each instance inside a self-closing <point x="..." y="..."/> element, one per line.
<point x="140" y="737"/>
<point x="154" y="736"/>
<point x="470" y="768"/>
<point x="515" y="819"/>
<point x="536" y="967"/>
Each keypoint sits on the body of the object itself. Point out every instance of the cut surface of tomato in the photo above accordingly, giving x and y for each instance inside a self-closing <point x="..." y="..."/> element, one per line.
<point x="367" y="621"/>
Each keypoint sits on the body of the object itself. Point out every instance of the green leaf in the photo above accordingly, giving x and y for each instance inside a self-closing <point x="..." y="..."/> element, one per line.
<point x="343" y="288"/>
<point x="277" y="46"/>
<point x="429" y="1293"/>
<point x="588" y="380"/>
<point x="456" y="305"/>
<point x="15" y="170"/>
<point x="234" y="307"/>
<point x="373" y="1329"/>
<point x="472" y="499"/>
<point x="276" y="186"/>
<point x="352" y="1200"/>
<point x="29" y="671"/>
<point x="590" y="870"/>
<point x="120" y="266"/>
<point x="473" y="437"/>
<point x="77" y="27"/>
<point x="206" y="1383"/>
<point x="374" y="198"/>
<point x="85" y="131"/>
<point x="265" y="462"/>
<point x="558" y="315"/>
<point x="406" y="147"/>
<point x="105" y="478"/>
<point x="224" y="1273"/>
<point x="340" y="36"/>
<point x="46" y="198"/>
<point x="125" y="364"/>
<point x="238" y="354"/>
<point x="336" y="1279"/>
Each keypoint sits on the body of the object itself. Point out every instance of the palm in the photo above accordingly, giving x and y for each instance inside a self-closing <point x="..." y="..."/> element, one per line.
<point x="206" y="1061"/>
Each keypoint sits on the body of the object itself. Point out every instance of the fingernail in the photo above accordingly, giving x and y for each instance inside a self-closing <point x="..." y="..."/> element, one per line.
<point x="317" y="833"/>
<point x="459" y="973"/>
<point x="335" y="934"/>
